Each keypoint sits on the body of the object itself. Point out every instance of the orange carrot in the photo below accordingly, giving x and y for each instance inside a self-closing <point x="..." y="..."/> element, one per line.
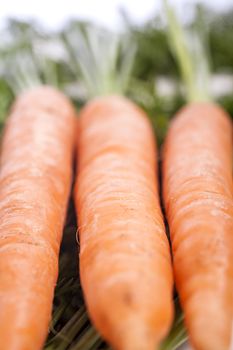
<point x="35" y="179"/>
<point x="125" y="260"/>
<point x="197" y="189"/>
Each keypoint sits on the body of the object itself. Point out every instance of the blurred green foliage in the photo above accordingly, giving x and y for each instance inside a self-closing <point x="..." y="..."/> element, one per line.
<point x="221" y="41"/>
<point x="154" y="56"/>
<point x="30" y="54"/>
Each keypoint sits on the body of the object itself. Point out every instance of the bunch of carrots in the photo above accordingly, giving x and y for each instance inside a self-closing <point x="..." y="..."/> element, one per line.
<point x="126" y="263"/>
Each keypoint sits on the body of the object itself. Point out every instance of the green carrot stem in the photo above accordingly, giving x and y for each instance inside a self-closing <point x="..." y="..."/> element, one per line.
<point x="190" y="57"/>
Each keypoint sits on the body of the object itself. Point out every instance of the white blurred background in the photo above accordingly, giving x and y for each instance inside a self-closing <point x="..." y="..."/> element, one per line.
<point x="54" y="13"/>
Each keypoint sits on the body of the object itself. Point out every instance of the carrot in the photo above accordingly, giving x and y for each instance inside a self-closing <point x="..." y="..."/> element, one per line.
<point x="125" y="263"/>
<point x="197" y="188"/>
<point x="197" y="192"/>
<point x="35" y="180"/>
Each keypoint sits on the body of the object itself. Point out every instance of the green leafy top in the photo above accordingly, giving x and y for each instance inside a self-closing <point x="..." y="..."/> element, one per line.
<point x="27" y="57"/>
<point x="190" y="53"/>
<point x="102" y="58"/>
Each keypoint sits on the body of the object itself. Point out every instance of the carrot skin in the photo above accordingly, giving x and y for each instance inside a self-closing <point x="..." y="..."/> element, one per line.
<point x="197" y="192"/>
<point x="35" y="179"/>
<point x="125" y="262"/>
